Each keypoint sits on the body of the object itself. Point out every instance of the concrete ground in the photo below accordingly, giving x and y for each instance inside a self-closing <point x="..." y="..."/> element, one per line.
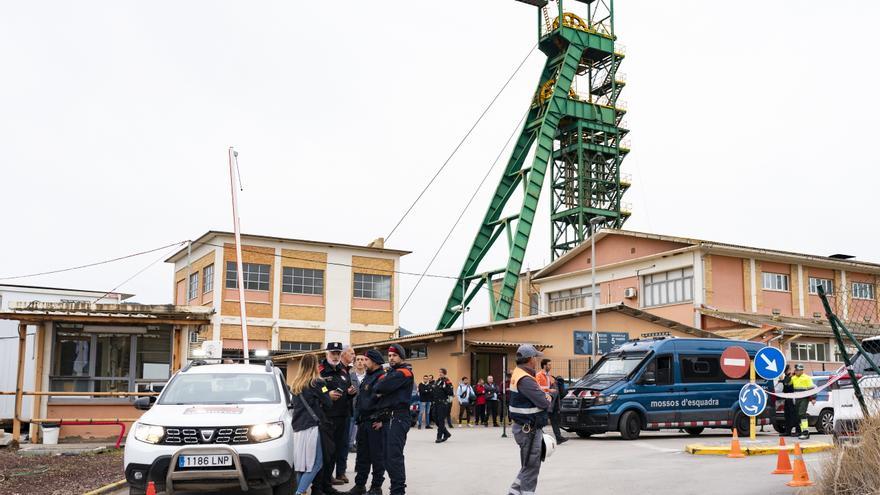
<point x="477" y="461"/>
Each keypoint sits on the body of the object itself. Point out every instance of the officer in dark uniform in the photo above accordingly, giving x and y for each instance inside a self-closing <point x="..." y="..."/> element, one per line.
<point x="394" y="391"/>
<point x="440" y="408"/>
<point x="338" y="380"/>
<point x="369" y="431"/>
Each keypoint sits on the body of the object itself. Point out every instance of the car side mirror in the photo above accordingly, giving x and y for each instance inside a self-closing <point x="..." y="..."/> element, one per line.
<point x="648" y="378"/>
<point x="144" y="403"/>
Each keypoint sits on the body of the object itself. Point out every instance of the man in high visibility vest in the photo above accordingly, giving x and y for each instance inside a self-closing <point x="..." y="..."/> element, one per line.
<point x="528" y="410"/>
<point x="801" y="382"/>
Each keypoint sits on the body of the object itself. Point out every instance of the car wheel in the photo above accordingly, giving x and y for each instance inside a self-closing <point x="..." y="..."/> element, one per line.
<point x="583" y="434"/>
<point x="741" y="423"/>
<point x="696" y="430"/>
<point x="779" y="427"/>
<point x="825" y="423"/>
<point x="630" y="425"/>
<point x="285" y="488"/>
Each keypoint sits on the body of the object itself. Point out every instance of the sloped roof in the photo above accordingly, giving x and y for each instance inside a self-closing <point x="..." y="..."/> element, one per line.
<point x="790" y="324"/>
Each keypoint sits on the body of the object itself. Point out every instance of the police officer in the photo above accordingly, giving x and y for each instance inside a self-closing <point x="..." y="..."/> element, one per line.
<point x="394" y="390"/>
<point x="369" y="431"/>
<point x="335" y="375"/>
<point x="528" y="410"/>
<point x="442" y="402"/>
<point x="801" y="382"/>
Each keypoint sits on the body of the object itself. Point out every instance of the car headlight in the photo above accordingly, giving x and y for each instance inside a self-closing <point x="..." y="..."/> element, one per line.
<point x="149" y="433"/>
<point x="267" y="431"/>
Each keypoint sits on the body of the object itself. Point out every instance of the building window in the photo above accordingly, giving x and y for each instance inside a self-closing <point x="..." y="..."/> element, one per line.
<point x="299" y="346"/>
<point x="563" y="300"/>
<point x="810" y="351"/>
<point x="850" y="350"/>
<point x="534" y="301"/>
<point x="417" y="351"/>
<point x="367" y="286"/>
<point x="193" y="286"/>
<point x="775" y="281"/>
<point x="302" y="281"/>
<point x="256" y="276"/>
<point x="862" y="290"/>
<point x="208" y="279"/>
<point x="825" y="283"/>
<point x="670" y="287"/>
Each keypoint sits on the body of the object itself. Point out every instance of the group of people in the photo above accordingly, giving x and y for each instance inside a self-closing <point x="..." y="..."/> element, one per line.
<point x="338" y="399"/>
<point x="477" y="403"/>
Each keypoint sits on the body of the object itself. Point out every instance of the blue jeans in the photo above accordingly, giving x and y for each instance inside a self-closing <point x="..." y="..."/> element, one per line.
<point x="425" y="412"/>
<point x="304" y="480"/>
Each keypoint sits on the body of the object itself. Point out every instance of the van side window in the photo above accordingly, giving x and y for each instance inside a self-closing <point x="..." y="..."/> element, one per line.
<point x="661" y="367"/>
<point x="701" y="369"/>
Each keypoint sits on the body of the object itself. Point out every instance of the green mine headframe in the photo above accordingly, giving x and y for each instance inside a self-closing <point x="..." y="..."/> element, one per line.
<point x="575" y="122"/>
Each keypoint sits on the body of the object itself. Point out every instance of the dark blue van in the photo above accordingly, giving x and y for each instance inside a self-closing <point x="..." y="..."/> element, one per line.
<point x="656" y="384"/>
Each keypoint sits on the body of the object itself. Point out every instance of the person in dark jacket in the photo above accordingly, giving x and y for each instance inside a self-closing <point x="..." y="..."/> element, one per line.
<point x="557" y="410"/>
<point x="370" y="451"/>
<point x="394" y="391"/>
<point x="426" y="397"/>
<point x="310" y="402"/>
<point x="491" y="401"/>
<point x="789" y="411"/>
<point x="442" y="403"/>
<point x="335" y="374"/>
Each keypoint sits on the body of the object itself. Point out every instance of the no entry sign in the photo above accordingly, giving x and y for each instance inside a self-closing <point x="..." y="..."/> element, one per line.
<point x="735" y="362"/>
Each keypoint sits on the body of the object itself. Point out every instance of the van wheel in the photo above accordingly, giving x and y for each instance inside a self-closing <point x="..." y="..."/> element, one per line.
<point x="696" y="430"/>
<point x="779" y="427"/>
<point x="825" y="423"/>
<point x="741" y="423"/>
<point x="630" y="425"/>
<point x="583" y="434"/>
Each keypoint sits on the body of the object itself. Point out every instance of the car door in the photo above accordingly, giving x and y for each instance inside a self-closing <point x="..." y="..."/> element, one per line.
<point x="703" y="391"/>
<point x="654" y="389"/>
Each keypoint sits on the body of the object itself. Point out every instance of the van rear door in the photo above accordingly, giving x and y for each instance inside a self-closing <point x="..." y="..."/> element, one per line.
<point x="703" y="390"/>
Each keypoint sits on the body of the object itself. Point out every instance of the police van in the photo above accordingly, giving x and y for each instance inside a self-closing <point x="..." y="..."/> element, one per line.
<point x="662" y="383"/>
<point x="847" y="410"/>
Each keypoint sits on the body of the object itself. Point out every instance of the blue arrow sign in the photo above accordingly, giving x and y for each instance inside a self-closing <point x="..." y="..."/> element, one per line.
<point x="769" y="363"/>
<point x="752" y="399"/>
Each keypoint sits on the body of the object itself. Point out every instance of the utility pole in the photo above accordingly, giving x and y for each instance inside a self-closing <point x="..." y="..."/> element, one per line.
<point x="233" y="158"/>
<point x="593" y="260"/>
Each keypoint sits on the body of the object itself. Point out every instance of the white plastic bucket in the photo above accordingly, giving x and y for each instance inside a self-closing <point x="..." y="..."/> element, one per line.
<point x="50" y="434"/>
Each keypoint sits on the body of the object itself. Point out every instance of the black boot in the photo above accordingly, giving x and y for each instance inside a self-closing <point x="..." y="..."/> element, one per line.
<point x="357" y="490"/>
<point x="376" y="490"/>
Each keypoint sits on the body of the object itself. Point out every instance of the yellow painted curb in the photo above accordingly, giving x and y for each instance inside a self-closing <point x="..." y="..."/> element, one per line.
<point x="107" y="488"/>
<point x="766" y="449"/>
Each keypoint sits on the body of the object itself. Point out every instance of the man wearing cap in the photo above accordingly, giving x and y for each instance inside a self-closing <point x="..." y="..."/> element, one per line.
<point x="394" y="390"/>
<point x="335" y="375"/>
<point x="528" y="410"/>
<point x="801" y="383"/>
<point x="369" y="431"/>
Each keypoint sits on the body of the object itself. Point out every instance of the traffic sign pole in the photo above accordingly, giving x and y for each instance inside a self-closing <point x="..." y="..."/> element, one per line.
<point x="752" y="420"/>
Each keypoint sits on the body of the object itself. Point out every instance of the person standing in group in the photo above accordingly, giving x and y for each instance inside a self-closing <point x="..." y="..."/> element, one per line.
<point x="555" y="417"/>
<point x="548" y="385"/>
<point x="465" y="395"/>
<point x="357" y="375"/>
<point x="431" y="381"/>
<point x="335" y="374"/>
<point x="528" y="410"/>
<point x="426" y="396"/>
<point x="480" y="404"/>
<point x="491" y="400"/>
<point x="788" y="406"/>
<point x="802" y="383"/>
<point x="442" y="404"/>
<point x="394" y="391"/>
<point x="370" y="451"/>
<point x="309" y="403"/>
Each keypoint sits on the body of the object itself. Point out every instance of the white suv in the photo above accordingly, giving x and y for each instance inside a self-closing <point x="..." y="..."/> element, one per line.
<point x="847" y="410"/>
<point x="214" y="426"/>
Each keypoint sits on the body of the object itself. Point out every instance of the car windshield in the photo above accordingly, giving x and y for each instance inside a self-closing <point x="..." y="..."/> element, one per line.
<point x="619" y="364"/>
<point x="221" y="388"/>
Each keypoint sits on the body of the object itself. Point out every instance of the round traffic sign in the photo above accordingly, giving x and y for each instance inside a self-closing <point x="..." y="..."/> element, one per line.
<point x="752" y="399"/>
<point x="735" y="362"/>
<point x="769" y="363"/>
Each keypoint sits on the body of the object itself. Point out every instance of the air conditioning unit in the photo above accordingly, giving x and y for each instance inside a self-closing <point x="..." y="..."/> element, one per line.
<point x="630" y="292"/>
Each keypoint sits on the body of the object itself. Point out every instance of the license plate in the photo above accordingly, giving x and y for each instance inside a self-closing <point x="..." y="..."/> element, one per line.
<point x="571" y="419"/>
<point x="197" y="461"/>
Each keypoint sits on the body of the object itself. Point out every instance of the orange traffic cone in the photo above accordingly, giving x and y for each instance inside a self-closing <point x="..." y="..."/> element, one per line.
<point x="800" y="477"/>
<point x="151" y="488"/>
<point x="735" y="451"/>
<point x="783" y="463"/>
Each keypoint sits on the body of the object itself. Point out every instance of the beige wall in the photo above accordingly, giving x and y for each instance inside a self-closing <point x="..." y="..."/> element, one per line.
<point x="181" y="283"/>
<point x="615" y="248"/>
<point x="255" y="309"/>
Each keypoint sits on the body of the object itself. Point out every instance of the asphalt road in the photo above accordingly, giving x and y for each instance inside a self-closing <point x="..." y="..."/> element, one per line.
<point x="478" y="461"/>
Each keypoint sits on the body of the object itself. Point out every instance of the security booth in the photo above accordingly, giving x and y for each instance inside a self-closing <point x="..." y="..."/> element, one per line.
<point x="92" y="360"/>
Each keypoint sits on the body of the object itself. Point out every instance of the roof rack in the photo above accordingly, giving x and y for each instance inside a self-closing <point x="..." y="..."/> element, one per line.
<point x="197" y="362"/>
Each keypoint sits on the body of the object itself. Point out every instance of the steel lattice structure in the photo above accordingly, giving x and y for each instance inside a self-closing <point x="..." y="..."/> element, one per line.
<point x="574" y="122"/>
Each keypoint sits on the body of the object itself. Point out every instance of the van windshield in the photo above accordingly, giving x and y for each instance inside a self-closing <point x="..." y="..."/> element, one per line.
<point x="221" y="388"/>
<point x="618" y="364"/>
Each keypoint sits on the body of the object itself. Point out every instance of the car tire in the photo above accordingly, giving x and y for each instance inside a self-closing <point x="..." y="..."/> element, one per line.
<point x="694" y="431"/>
<point x="741" y="423"/>
<point x="779" y="427"/>
<point x="630" y="426"/>
<point x="285" y="488"/>
<point x="584" y="434"/>
<point x="825" y="421"/>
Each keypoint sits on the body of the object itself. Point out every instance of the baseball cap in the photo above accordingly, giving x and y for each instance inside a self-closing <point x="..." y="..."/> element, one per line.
<point x="799" y="367"/>
<point x="527" y="351"/>
<point x="334" y="347"/>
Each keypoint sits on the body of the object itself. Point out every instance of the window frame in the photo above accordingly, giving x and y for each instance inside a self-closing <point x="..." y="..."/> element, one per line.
<point x="208" y="279"/>
<point x="797" y="349"/>
<point x="232" y="282"/>
<point x="815" y="282"/>
<point x="292" y="276"/>
<point x="417" y="351"/>
<point x="576" y="298"/>
<point x="301" y="346"/>
<point x="363" y="293"/>
<point x="667" y="288"/>
<point x="192" y="286"/>
<point x="868" y="289"/>
<point x="775" y="277"/>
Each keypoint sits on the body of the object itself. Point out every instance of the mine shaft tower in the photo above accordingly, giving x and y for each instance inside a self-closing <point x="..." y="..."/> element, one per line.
<point x="574" y="121"/>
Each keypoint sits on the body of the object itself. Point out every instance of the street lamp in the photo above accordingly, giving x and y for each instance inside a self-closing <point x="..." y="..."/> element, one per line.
<point x="461" y="308"/>
<point x="594" y="222"/>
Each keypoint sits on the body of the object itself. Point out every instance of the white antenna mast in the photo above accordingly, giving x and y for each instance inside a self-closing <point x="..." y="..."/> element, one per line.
<point x="236" y="225"/>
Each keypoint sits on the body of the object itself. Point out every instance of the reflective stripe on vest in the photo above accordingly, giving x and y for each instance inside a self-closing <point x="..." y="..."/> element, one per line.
<point x="525" y="410"/>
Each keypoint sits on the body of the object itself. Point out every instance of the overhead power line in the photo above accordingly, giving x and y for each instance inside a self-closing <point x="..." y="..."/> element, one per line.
<point x="460" y="143"/>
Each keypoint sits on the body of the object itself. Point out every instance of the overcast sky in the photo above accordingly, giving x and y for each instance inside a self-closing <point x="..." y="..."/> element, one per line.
<point x="752" y="123"/>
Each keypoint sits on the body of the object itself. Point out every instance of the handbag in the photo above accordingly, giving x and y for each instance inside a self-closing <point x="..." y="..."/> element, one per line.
<point x="327" y="444"/>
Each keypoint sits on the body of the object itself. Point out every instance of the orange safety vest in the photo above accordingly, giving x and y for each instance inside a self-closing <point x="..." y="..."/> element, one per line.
<point x="544" y="380"/>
